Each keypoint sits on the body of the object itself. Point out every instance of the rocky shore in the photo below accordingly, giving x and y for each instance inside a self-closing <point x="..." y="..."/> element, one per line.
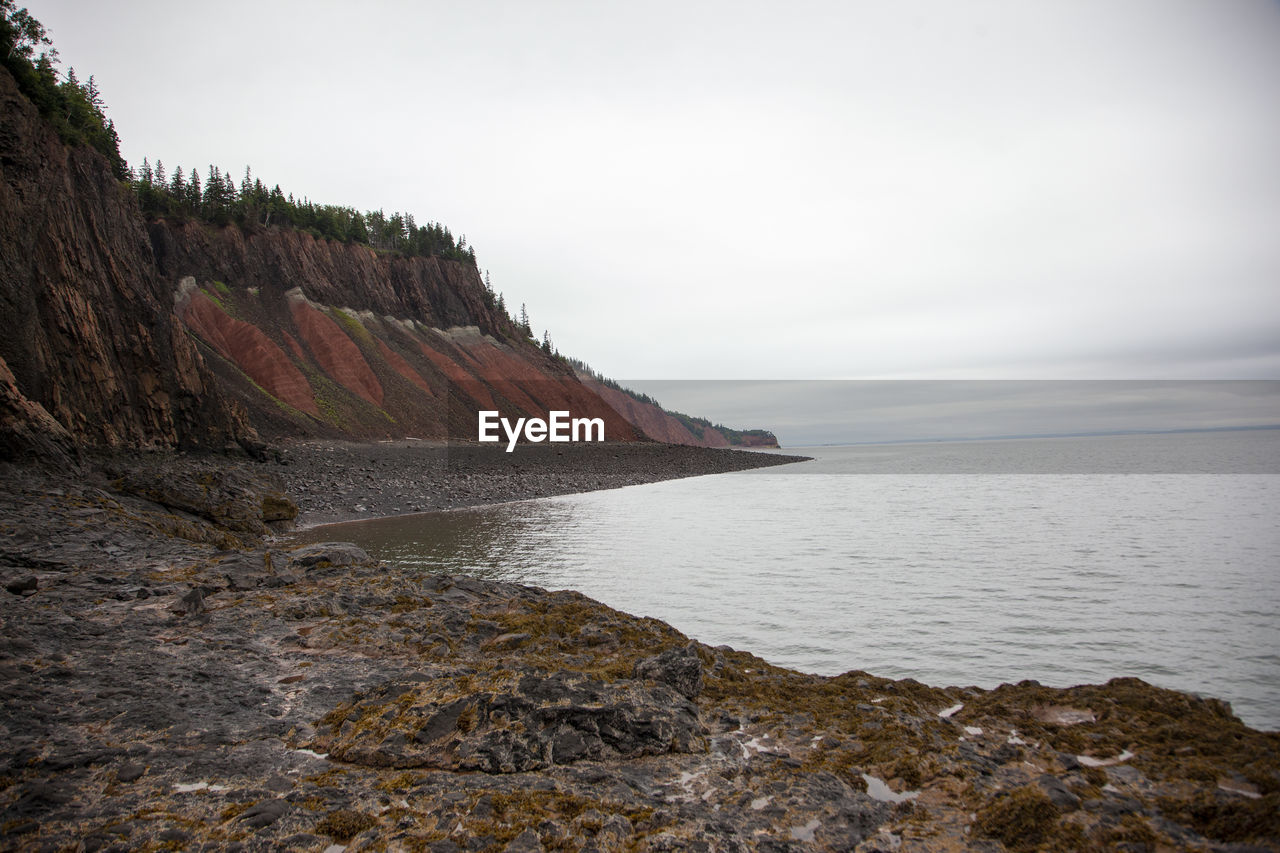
<point x="173" y="679"/>
<point x="344" y="481"/>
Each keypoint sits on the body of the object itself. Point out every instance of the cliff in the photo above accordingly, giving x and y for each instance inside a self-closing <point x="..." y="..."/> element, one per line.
<point x="321" y="338"/>
<point x="90" y="338"/>
<point x="180" y="334"/>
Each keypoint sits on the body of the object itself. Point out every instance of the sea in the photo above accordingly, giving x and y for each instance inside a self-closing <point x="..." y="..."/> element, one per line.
<point x="1065" y="560"/>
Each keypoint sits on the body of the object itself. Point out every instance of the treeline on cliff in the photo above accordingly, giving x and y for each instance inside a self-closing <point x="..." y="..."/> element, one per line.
<point x="219" y="200"/>
<point x="77" y="111"/>
<point x="74" y="109"/>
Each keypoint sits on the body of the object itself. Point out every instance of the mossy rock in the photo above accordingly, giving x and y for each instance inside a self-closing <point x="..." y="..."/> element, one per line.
<point x="1022" y="819"/>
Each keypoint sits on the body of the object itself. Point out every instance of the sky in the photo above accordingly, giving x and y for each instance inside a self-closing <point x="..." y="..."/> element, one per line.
<point x="815" y="412"/>
<point x="926" y="189"/>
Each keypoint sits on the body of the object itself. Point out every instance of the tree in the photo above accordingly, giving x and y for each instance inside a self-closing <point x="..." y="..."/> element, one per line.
<point x="524" y="321"/>
<point x="178" y="188"/>
<point x="21" y="32"/>
<point x="193" y="192"/>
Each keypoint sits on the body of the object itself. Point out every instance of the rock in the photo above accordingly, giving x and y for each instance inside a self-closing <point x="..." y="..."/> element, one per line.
<point x="93" y="353"/>
<point x="506" y="642"/>
<point x="24" y="587"/>
<point x="678" y="668"/>
<point x="246" y="570"/>
<point x="130" y="772"/>
<point x="525" y="842"/>
<point x="327" y="555"/>
<point x="539" y="722"/>
<point x="1058" y="792"/>
<point x="192" y="603"/>
<point x="264" y="813"/>
<point x="235" y="499"/>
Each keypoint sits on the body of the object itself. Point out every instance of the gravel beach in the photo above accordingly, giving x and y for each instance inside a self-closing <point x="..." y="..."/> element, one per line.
<point x="343" y="481"/>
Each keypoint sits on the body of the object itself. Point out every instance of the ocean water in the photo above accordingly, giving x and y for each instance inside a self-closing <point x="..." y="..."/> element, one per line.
<point x="1068" y="561"/>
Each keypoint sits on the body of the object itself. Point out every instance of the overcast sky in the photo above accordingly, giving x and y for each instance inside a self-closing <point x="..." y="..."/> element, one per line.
<point x="732" y="190"/>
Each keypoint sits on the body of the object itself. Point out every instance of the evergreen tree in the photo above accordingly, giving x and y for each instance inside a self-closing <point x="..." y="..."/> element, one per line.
<point x="193" y="193"/>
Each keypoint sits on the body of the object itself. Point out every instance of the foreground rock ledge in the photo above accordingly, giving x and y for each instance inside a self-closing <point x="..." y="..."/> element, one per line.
<point x="171" y="684"/>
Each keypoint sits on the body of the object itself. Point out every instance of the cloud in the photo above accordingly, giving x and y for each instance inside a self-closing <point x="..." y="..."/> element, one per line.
<point x="730" y="190"/>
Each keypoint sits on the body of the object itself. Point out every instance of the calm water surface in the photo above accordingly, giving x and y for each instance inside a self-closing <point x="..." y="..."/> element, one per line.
<point x="1063" y="560"/>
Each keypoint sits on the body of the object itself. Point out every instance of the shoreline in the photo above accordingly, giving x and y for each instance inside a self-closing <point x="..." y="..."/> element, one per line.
<point x="339" y="481"/>
<point x="173" y="679"/>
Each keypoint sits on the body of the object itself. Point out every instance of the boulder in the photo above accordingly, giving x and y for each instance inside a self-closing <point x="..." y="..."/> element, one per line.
<point x="327" y="555"/>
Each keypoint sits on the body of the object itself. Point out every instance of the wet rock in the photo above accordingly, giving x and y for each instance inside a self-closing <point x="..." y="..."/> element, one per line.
<point x="354" y="694"/>
<point x="329" y="555"/>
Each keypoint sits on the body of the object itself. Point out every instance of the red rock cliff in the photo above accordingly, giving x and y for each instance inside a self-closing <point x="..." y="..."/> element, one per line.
<point x="317" y="337"/>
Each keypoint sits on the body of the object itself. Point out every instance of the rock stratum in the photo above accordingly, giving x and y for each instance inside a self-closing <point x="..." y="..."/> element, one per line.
<point x="186" y="335"/>
<point x="173" y="680"/>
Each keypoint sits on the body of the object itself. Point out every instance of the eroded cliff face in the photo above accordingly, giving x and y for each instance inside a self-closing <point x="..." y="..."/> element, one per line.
<point x="90" y="339"/>
<point x="186" y="335"/>
<point x="316" y="337"/>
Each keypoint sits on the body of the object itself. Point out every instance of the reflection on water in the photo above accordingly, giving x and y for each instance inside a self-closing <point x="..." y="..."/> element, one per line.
<point x="959" y="579"/>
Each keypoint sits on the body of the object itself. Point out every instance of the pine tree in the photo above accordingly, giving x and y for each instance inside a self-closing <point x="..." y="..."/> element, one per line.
<point x="178" y="186"/>
<point x="193" y="193"/>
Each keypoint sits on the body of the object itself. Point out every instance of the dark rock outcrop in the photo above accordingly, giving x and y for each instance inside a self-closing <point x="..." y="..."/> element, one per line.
<point x="251" y="503"/>
<point x="90" y="336"/>
<point x="513" y="723"/>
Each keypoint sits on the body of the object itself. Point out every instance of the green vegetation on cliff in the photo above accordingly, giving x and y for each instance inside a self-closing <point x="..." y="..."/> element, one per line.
<point x="219" y="200"/>
<point x="74" y="109"/>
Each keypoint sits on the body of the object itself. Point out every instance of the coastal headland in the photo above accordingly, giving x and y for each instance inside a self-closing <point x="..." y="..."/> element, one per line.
<point x="174" y="677"/>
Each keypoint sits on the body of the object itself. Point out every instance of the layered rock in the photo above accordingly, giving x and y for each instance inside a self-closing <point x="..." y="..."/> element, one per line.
<point x="320" y="338"/>
<point x="90" y="336"/>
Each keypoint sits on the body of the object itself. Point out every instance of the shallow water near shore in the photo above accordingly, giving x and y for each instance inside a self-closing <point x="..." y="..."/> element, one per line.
<point x="952" y="563"/>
